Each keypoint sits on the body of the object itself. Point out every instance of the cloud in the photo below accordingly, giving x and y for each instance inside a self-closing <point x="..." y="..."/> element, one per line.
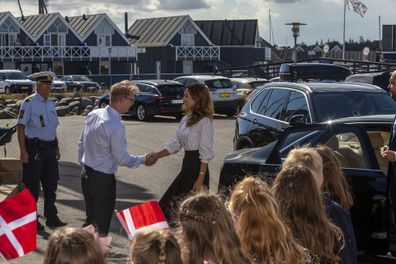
<point x="286" y="1"/>
<point x="183" y="5"/>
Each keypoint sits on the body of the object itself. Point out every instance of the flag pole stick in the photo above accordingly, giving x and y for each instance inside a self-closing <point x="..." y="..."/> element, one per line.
<point x="343" y="33"/>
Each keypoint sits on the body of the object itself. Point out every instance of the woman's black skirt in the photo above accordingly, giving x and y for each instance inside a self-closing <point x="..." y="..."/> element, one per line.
<point x="183" y="183"/>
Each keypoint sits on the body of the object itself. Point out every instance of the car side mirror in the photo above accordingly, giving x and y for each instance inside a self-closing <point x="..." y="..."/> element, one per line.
<point x="298" y="120"/>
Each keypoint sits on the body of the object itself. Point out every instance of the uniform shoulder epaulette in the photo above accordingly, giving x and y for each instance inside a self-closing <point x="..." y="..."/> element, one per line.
<point x="28" y="99"/>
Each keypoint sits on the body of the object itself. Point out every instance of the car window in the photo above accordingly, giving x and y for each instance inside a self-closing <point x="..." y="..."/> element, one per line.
<point x="180" y="80"/>
<point x="260" y="101"/>
<point x="256" y="84"/>
<point x="219" y="84"/>
<point x="296" y="104"/>
<point x="276" y="103"/>
<point x="190" y="82"/>
<point x="348" y="150"/>
<point x="15" y="76"/>
<point x="171" y="90"/>
<point x="328" y="106"/>
<point x="242" y="85"/>
<point x="143" y="88"/>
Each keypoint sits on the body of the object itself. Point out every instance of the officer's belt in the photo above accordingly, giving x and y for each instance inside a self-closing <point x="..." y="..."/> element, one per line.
<point x="41" y="144"/>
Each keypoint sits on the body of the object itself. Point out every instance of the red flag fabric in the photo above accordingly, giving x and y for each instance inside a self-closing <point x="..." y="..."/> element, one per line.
<point x="18" y="221"/>
<point x="145" y="215"/>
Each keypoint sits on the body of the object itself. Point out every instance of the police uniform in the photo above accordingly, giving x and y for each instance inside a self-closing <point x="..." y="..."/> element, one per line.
<point x="38" y="116"/>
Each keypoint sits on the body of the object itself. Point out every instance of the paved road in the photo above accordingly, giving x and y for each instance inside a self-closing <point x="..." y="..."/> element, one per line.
<point x="133" y="186"/>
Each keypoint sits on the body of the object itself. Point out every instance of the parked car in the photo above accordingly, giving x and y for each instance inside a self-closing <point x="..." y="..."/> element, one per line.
<point x="14" y="81"/>
<point x="224" y="94"/>
<point x="57" y="84"/>
<point x="276" y="106"/>
<point x="156" y="97"/>
<point x="245" y="86"/>
<point x="293" y="72"/>
<point x="380" y="79"/>
<point x="356" y="142"/>
<point x="80" y="82"/>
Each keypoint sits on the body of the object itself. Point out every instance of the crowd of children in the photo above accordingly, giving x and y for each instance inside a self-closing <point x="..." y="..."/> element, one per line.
<point x="302" y="217"/>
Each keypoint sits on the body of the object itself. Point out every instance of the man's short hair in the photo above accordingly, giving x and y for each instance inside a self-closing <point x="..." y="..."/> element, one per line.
<point x="122" y="90"/>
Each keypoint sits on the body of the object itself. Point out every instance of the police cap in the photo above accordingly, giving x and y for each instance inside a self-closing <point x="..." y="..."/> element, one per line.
<point x="45" y="76"/>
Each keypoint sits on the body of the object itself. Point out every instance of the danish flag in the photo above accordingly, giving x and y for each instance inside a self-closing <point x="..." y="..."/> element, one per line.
<point x="145" y="215"/>
<point x="18" y="221"/>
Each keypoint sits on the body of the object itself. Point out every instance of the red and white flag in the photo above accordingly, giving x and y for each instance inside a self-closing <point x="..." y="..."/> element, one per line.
<point x="18" y="221"/>
<point x="145" y="215"/>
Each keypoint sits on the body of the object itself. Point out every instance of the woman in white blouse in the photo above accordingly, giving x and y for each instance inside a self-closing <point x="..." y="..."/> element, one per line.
<point x="195" y="135"/>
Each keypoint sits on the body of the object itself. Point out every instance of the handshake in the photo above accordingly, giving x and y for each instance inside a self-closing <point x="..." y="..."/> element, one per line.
<point x="151" y="158"/>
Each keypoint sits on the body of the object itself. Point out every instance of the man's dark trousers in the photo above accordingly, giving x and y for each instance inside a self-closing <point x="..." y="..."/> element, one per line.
<point x="42" y="167"/>
<point x="99" y="190"/>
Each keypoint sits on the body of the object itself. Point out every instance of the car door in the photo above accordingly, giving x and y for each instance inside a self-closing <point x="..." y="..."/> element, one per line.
<point x="354" y="150"/>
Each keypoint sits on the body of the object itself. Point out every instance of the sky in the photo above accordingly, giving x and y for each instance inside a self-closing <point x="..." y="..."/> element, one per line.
<point x="324" y="18"/>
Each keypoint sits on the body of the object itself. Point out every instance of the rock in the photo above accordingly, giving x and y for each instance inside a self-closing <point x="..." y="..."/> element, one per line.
<point x="66" y="100"/>
<point x="10" y="101"/>
<point x="19" y="103"/>
<point x="62" y="110"/>
<point x="87" y="110"/>
<point x="7" y="113"/>
<point x="75" y="111"/>
<point x="86" y="102"/>
<point x="75" y="104"/>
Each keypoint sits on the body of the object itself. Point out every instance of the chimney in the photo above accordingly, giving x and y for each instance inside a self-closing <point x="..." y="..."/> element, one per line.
<point x="126" y="23"/>
<point x="84" y="17"/>
<point x="67" y="18"/>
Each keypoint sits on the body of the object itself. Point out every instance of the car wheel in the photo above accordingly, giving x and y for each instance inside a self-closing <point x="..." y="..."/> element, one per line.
<point x="141" y="112"/>
<point x="102" y="104"/>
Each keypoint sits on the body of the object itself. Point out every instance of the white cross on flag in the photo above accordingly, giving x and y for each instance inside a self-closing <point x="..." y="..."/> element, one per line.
<point x="357" y="6"/>
<point x="145" y="215"/>
<point x="18" y="221"/>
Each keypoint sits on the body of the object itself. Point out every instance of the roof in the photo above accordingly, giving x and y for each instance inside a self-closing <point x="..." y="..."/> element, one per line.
<point x="3" y="15"/>
<point x="157" y="32"/>
<point x="248" y="79"/>
<point x="230" y="32"/>
<point x="84" y="24"/>
<point x="157" y="82"/>
<point x="36" y="24"/>
<point x="327" y="87"/>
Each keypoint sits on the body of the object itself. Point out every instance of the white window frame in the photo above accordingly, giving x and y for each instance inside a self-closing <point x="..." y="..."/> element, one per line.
<point x="187" y="40"/>
<point x="61" y="40"/>
<point x="47" y="40"/>
<point x="104" y="40"/>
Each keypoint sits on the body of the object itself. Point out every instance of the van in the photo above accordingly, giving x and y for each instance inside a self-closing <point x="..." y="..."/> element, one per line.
<point x="313" y="72"/>
<point x="224" y="94"/>
<point x="381" y="79"/>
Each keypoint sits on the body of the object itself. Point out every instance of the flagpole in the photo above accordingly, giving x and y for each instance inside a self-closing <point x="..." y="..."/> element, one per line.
<point x="343" y="33"/>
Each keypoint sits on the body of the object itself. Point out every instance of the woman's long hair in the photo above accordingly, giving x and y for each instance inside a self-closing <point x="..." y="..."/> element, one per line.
<point x="155" y="247"/>
<point x="203" y="103"/>
<point x="207" y="231"/>
<point x="334" y="182"/>
<point x="264" y="236"/>
<point x="73" y="245"/>
<point x="301" y="205"/>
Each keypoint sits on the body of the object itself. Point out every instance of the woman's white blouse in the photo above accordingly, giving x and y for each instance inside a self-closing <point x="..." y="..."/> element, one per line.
<point x="196" y="137"/>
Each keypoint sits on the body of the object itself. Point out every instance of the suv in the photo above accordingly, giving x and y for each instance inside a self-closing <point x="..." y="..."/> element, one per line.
<point x="290" y="72"/>
<point x="56" y="86"/>
<point x="224" y="95"/>
<point x="276" y="106"/>
<point x="155" y="97"/>
<point x="14" y="81"/>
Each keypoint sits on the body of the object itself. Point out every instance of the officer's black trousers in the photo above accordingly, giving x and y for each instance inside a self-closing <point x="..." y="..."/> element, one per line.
<point x="42" y="167"/>
<point x="99" y="190"/>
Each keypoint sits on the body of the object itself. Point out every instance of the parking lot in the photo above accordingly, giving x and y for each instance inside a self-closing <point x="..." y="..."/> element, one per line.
<point x="133" y="186"/>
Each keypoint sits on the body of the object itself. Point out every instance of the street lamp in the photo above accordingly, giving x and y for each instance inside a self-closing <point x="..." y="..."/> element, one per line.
<point x="111" y="81"/>
<point x="296" y="33"/>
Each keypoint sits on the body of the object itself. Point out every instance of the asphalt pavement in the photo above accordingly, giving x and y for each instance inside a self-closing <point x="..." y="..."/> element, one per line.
<point x="134" y="186"/>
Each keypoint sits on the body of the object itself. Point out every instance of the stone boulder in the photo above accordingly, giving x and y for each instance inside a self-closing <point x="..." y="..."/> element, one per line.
<point x="86" y="102"/>
<point x="62" y="110"/>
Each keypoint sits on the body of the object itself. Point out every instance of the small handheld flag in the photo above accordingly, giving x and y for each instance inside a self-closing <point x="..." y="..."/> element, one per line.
<point x="145" y="215"/>
<point x="18" y="222"/>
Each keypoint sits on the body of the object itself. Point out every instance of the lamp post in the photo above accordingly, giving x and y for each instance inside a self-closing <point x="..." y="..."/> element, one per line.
<point x="111" y="81"/>
<point x="296" y="33"/>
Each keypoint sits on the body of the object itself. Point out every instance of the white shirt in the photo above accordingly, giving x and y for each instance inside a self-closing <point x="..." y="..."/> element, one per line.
<point x="103" y="145"/>
<point x="196" y="137"/>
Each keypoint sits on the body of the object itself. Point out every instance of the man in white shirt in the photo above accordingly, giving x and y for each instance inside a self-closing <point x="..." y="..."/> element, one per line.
<point x="101" y="149"/>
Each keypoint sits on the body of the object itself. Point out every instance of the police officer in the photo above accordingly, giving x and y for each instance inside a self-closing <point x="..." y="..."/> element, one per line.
<point x="36" y="126"/>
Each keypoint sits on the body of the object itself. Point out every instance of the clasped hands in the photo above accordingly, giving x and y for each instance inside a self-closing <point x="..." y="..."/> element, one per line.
<point x="151" y="159"/>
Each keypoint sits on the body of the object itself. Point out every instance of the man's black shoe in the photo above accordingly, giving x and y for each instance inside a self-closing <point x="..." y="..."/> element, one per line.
<point x="55" y="222"/>
<point x="40" y="227"/>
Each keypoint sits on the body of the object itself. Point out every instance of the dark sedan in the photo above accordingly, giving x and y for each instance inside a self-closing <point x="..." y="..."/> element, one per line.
<point x="155" y="97"/>
<point x="276" y="106"/>
<point x="80" y="82"/>
<point x="356" y="141"/>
